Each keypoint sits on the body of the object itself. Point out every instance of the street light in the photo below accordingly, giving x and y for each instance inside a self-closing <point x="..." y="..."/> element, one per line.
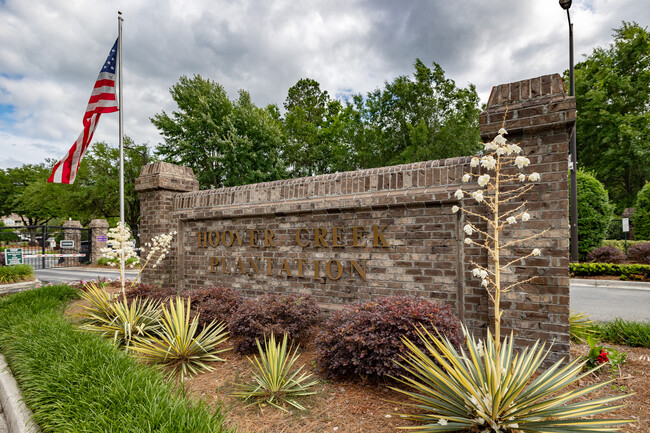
<point x="566" y="4"/>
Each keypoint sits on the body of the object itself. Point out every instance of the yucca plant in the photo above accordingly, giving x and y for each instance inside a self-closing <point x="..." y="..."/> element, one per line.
<point x="482" y="390"/>
<point x="98" y="309"/>
<point x="581" y="327"/>
<point x="128" y="321"/>
<point x="179" y="345"/>
<point x="274" y="383"/>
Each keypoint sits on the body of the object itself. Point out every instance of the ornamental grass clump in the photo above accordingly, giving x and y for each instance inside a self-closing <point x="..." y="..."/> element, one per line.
<point x="491" y="388"/>
<point x="274" y="382"/>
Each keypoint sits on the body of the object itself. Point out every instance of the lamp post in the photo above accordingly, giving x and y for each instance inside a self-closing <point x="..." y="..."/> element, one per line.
<point x="566" y="4"/>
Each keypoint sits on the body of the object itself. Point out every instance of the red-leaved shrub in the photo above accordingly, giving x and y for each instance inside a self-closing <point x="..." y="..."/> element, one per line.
<point x="364" y="340"/>
<point x="639" y="253"/>
<point x="151" y="291"/>
<point x="214" y="303"/>
<point x="279" y="314"/>
<point x="606" y="255"/>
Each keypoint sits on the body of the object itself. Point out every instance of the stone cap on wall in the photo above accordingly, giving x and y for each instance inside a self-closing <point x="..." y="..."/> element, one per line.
<point x="163" y="175"/>
<point x="530" y="106"/>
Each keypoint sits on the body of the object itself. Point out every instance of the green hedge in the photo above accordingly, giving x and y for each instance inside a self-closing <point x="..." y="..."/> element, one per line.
<point x="78" y="382"/>
<point x="620" y="244"/>
<point x="594" y="212"/>
<point x="15" y="273"/>
<point x="624" y="272"/>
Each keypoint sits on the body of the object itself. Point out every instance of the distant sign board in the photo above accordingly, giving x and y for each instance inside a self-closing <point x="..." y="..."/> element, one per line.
<point x="626" y="225"/>
<point x="102" y="238"/>
<point x="13" y="256"/>
<point x="67" y="244"/>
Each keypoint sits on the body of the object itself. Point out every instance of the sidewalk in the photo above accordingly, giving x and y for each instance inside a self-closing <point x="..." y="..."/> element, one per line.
<point x="17" y="287"/>
<point x="618" y="284"/>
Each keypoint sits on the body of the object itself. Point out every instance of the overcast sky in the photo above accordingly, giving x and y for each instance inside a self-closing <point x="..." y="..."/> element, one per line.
<point x="52" y="51"/>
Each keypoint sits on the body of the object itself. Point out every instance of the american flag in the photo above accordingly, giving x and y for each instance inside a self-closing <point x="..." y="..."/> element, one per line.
<point x="102" y="100"/>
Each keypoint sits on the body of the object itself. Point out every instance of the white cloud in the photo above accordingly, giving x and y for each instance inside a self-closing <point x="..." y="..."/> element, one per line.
<point x="52" y="51"/>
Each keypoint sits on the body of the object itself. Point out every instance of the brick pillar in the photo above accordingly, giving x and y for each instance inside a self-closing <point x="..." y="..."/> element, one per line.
<point x="157" y="184"/>
<point x="98" y="230"/>
<point x="71" y="232"/>
<point x="540" y="116"/>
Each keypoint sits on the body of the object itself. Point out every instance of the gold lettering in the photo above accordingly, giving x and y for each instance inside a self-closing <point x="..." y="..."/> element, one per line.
<point x="336" y="238"/>
<point x="231" y="239"/>
<point x="328" y="269"/>
<point x="355" y="266"/>
<point x="300" y="262"/>
<point x="268" y="238"/>
<point x="357" y="234"/>
<point x="285" y="268"/>
<point x="239" y="240"/>
<point x="306" y="244"/>
<point x="223" y="267"/>
<point x="252" y="234"/>
<point x="203" y="237"/>
<point x="316" y="269"/>
<point x="215" y="243"/>
<point x="253" y="266"/>
<point x="378" y="236"/>
<point x="268" y="265"/>
<point x="240" y="266"/>
<point x="214" y="262"/>
<point x="320" y="234"/>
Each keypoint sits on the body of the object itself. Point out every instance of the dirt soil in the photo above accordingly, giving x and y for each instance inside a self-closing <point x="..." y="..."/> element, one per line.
<point x="360" y="408"/>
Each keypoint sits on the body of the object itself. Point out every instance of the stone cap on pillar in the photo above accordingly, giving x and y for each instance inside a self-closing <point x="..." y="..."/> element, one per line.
<point x="530" y="106"/>
<point x="72" y="224"/>
<point x="166" y="176"/>
<point x="98" y="224"/>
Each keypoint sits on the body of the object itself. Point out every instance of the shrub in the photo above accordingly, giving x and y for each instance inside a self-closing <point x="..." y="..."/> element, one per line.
<point x="106" y="261"/>
<point x="628" y="333"/>
<point x="257" y="318"/>
<point x="615" y="228"/>
<point x="2" y="258"/>
<point x="620" y="244"/>
<point x="594" y="212"/>
<point x="15" y="273"/>
<point x="150" y="291"/>
<point x="639" y="253"/>
<point x="606" y="255"/>
<point x="366" y="339"/>
<point x="624" y="272"/>
<point x="216" y="304"/>
<point x="641" y="216"/>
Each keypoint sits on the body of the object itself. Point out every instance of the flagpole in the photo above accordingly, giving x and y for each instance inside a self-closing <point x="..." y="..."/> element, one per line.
<point x="120" y="112"/>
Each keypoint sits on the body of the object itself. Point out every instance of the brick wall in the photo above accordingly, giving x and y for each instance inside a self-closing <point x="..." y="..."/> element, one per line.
<point x="353" y="236"/>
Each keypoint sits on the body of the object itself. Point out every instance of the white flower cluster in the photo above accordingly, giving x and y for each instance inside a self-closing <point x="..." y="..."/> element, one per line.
<point x="121" y="246"/>
<point x="159" y="247"/>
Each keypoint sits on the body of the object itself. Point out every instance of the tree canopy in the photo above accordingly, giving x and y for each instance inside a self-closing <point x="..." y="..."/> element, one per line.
<point x="613" y="122"/>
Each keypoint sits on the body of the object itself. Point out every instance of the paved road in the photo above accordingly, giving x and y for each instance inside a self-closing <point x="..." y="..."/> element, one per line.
<point x="60" y="275"/>
<point x="607" y="300"/>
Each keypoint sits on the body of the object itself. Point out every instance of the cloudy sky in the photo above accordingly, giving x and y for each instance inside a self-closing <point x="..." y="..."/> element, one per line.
<point x="52" y="51"/>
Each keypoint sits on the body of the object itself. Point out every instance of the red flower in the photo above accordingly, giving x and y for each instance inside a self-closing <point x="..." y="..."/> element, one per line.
<point x="602" y="357"/>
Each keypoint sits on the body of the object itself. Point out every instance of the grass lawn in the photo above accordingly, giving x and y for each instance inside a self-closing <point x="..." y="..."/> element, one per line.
<point x="77" y="382"/>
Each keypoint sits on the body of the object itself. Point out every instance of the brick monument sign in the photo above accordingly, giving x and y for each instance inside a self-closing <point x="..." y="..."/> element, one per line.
<point x="355" y="236"/>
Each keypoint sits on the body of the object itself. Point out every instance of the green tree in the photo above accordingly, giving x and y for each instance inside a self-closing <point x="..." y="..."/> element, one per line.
<point x="224" y="142"/>
<point x="415" y="119"/>
<point x="594" y="212"/>
<point x="613" y="123"/>
<point x="641" y="216"/>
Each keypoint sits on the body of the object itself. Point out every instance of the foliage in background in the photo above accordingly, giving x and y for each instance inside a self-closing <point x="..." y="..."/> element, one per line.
<point x="641" y="216"/>
<point x="484" y="390"/>
<point x="594" y="212"/>
<point x="364" y="340"/>
<point x="257" y="318"/>
<point x="106" y="261"/>
<point x="620" y="244"/>
<point x="274" y="382"/>
<point x="639" y="253"/>
<point x="623" y="271"/>
<point x="225" y="142"/>
<point x="606" y="255"/>
<point x="613" y="125"/>
<point x="15" y="273"/>
<point x="76" y="382"/>
<point x="214" y="304"/>
<point x="179" y="345"/>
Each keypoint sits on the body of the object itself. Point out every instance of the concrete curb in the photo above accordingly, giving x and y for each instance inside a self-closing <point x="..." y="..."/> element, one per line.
<point x="615" y="284"/>
<point x="19" y="417"/>
<point x="17" y="287"/>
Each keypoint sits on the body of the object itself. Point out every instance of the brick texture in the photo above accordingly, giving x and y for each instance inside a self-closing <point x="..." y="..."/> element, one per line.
<point x="354" y="236"/>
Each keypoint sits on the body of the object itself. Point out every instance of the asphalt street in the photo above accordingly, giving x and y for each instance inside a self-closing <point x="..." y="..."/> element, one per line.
<point x="60" y="275"/>
<point x="607" y="300"/>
